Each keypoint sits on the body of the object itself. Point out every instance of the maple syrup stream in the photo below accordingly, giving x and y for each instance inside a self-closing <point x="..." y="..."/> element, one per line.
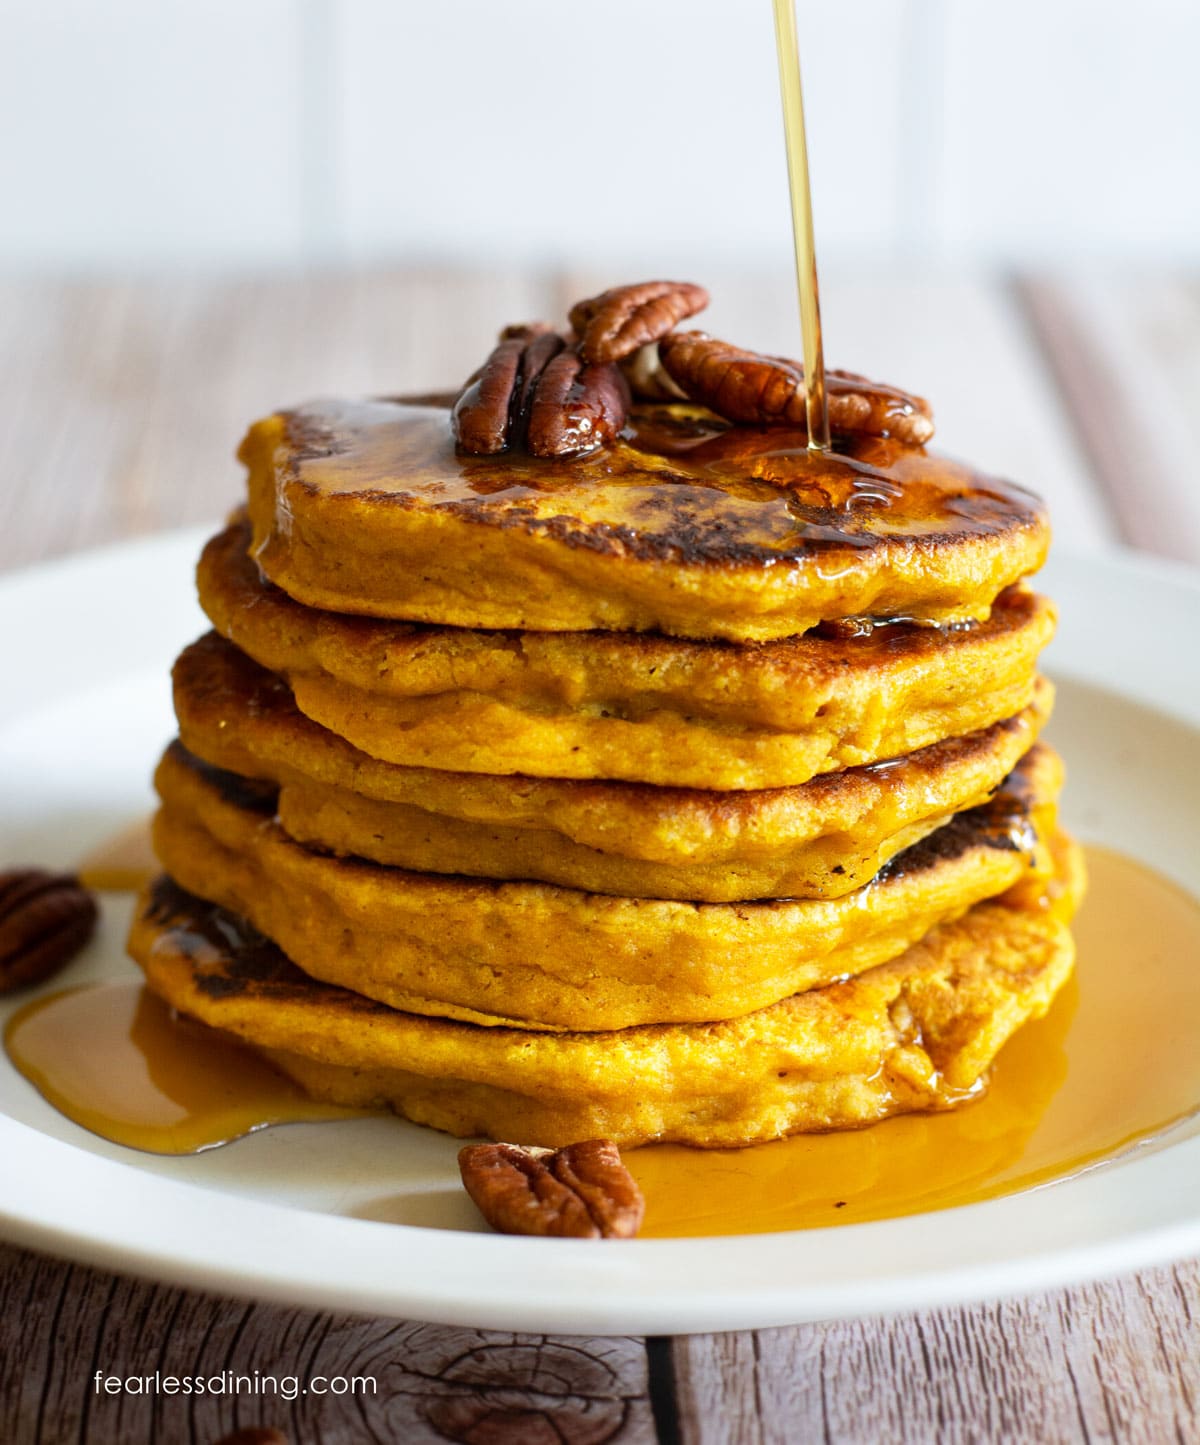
<point x="815" y="403"/>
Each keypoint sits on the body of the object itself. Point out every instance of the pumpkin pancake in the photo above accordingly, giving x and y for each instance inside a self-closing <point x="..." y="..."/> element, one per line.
<point x="556" y="958"/>
<point x="629" y="706"/>
<point x="684" y="525"/>
<point x="820" y="840"/>
<point x="917" y="1033"/>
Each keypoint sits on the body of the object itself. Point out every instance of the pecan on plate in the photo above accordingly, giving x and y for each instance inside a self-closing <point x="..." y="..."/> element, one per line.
<point x="45" y="919"/>
<point x="615" y="323"/>
<point x="487" y="414"/>
<point x="582" y="1191"/>
<point x="575" y="407"/>
<point x="756" y="390"/>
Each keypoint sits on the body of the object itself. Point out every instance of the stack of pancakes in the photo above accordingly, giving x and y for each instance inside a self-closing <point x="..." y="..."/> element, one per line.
<point x="689" y="790"/>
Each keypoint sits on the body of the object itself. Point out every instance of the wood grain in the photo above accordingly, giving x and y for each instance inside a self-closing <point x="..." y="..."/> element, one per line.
<point x="123" y="403"/>
<point x="1115" y="1362"/>
<point x="60" y="1323"/>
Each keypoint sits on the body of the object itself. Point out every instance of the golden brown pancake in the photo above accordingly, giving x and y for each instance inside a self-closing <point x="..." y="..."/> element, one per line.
<point x="917" y="1033"/>
<point x="685" y="526"/>
<point x="820" y="840"/>
<point x="557" y="958"/>
<point x="628" y="706"/>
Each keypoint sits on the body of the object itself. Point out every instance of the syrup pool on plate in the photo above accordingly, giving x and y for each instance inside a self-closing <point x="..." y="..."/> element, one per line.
<point x="1113" y="1064"/>
<point x="118" y="1061"/>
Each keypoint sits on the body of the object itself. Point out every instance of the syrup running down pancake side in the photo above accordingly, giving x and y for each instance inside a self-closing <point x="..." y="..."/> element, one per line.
<point x="1113" y="1067"/>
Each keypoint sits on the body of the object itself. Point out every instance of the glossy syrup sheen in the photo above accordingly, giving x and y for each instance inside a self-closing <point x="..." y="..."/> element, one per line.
<point x="677" y="479"/>
<point x="796" y="144"/>
<point x="118" y="1061"/>
<point x="1113" y="1064"/>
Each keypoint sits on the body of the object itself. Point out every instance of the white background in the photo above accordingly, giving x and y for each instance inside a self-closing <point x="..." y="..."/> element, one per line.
<point x="278" y="132"/>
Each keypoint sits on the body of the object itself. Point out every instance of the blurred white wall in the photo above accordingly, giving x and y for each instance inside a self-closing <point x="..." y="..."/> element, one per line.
<point x="251" y="132"/>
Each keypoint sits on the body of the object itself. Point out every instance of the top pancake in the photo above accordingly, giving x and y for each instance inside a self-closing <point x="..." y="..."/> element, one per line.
<point x="685" y="526"/>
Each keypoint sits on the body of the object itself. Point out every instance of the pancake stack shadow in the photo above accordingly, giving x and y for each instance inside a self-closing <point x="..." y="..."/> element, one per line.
<point x="546" y="885"/>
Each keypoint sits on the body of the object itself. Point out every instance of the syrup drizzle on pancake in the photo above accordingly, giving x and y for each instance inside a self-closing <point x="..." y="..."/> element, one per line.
<point x="680" y="485"/>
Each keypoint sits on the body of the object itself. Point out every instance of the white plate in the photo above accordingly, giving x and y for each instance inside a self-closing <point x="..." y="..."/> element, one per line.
<point x="84" y="709"/>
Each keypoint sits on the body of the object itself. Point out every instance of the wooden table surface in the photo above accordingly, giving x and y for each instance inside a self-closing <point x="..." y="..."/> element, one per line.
<point x="122" y="402"/>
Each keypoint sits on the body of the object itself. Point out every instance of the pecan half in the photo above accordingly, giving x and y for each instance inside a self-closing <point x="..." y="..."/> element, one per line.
<point x="615" y="323"/>
<point x="574" y="407"/>
<point x="581" y="1192"/>
<point x="536" y="392"/>
<point x="45" y="919"/>
<point x="756" y="390"/>
<point x="486" y="416"/>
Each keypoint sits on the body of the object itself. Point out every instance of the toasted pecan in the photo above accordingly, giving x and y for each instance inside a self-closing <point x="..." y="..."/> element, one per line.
<point x="45" y="919"/>
<point x="615" y="323"/>
<point x="575" y="407"/>
<point x="582" y="1191"/>
<point x="487" y="412"/>
<point x="757" y="390"/>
